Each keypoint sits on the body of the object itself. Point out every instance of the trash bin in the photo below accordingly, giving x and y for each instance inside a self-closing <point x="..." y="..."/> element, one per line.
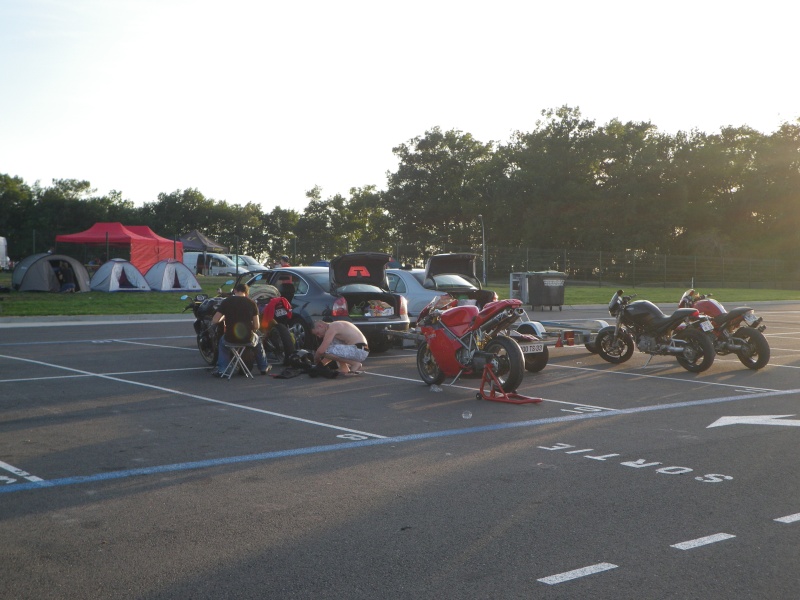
<point x="546" y="288"/>
<point x="518" y="287"/>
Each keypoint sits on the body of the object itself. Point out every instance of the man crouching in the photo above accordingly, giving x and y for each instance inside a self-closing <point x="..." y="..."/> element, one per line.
<point x="343" y="342"/>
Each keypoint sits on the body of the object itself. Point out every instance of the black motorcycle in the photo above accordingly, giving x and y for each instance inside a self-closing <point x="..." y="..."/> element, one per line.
<point x="643" y="325"/>
<point x="275" y="336"/>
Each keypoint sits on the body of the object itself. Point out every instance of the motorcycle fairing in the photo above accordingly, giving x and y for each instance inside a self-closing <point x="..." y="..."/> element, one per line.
<point x="445" y="350"/>
<point x="460" y="318"/>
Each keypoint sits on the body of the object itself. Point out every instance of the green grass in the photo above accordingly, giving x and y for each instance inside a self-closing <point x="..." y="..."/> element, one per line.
<point x="24" y="304"/>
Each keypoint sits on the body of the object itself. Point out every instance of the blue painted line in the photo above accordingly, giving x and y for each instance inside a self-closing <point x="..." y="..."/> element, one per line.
<point x="186" y="466"/>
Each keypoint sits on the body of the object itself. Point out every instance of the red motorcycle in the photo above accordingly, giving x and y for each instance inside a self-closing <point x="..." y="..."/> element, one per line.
<point x="738" y="331"/>
<point x="465" y="340"/>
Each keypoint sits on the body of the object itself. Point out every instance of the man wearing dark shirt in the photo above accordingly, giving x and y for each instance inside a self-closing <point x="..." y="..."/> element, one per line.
<point x="240" y="316"/>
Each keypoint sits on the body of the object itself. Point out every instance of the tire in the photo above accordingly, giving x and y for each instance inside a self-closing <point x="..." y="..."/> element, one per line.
<point x="757" y="354"/>
<point x="699" y="354"/>
<point x="378" y="343"/>
<point x="301" y="334"/>
<point x="509" y="362"/>
<point x="591" y="347"/>
<point x="613" y="349"/>
<point x="426" y="365"/>
<point x="207" y="344"/>
<point x="536" y="362"/>
<point x="278" y="344"/>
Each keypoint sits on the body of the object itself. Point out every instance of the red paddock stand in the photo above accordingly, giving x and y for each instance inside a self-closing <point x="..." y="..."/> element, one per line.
<point x="496" y="393"/>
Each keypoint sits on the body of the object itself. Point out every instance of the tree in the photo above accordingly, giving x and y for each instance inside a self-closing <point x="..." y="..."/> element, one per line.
<point x="438" y="190"/>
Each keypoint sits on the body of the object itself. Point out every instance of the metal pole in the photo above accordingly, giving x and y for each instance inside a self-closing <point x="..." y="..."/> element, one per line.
<point x="483" y="247"/>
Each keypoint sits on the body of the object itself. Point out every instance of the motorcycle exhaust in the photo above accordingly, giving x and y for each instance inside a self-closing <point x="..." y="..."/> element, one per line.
<point x="508" y="313"/>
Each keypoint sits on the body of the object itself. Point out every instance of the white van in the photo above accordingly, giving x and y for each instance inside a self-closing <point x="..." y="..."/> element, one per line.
<point x="216" y="264"/>
<point x="248" y="262"/>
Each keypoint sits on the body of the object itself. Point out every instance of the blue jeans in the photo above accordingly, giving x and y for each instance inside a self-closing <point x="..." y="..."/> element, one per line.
<point x="224" y="356"/>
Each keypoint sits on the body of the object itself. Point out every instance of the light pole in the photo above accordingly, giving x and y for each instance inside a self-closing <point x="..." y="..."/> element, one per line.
<point x="483" y="248"/>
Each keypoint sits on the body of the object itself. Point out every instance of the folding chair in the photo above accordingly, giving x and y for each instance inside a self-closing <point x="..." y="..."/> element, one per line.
<point x="236" y="358"/>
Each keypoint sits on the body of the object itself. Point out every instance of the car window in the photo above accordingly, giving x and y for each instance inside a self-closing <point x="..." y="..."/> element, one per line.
<point x="360" y="287"/>
<point x="323" y="280"/>
<point x="284" y="278"/>
<point x="396" y="284"/>
<point x="450" y="280"/>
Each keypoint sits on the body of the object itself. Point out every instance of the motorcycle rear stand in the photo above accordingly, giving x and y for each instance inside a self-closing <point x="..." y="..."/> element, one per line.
<point x="496" y="392"/>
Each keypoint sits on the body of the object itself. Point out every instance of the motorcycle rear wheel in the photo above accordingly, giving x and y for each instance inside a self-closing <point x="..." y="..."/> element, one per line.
<point x="509" y="361"/>
<point x="429" y="371"/>
<point x="699" y="353"/>
<point x="756" y="356"/>
<point x="207" y="344"/>
<point x="278" y="344"/>
<point x="614" y="349"/>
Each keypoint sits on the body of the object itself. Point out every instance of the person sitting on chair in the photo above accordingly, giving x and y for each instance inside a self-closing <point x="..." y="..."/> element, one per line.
<point x="240" y="316"/>
<point x="343" y="342"/>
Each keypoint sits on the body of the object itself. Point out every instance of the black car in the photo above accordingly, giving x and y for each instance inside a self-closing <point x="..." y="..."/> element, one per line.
<point x="354" y="288"/>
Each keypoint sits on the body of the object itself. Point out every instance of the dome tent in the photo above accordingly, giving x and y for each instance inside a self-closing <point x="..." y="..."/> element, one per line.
<point x="118" y="275"/>
<point x="37" y="273"/>
<point x="171" y="276"/>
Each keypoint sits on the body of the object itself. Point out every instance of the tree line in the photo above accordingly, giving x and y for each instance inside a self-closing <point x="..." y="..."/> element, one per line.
<point x="568" y="183"/>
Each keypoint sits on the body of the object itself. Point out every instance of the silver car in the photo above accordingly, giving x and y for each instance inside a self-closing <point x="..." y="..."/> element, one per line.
<point x="452" y="274"/>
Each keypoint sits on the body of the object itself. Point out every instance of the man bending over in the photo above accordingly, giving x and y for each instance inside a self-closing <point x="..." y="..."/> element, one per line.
<point x="343" y="342"/>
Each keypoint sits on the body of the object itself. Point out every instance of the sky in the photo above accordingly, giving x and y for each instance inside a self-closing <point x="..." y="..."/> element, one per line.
<point x="254" y="101"/>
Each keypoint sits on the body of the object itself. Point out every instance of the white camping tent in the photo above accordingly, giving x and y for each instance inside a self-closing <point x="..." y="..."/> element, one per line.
<point x="118" y="275"/>
<point x="171" y="276"/>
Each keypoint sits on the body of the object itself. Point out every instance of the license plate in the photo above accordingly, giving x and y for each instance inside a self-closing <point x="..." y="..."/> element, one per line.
<point x="532" y="348"/>
<point x="706" y="325"/>
<point x="750" y="318"/>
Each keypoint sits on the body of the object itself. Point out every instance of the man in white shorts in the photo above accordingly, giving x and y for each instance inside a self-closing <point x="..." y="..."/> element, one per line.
<point x="343" y="342"/>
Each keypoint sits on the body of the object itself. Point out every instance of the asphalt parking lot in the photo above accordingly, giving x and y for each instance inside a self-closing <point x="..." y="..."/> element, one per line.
<point x="126" y="471"/>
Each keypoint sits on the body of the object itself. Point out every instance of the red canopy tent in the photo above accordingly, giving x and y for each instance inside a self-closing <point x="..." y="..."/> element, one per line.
<point x="165" y="249"/>
<point x="146" y="250"/>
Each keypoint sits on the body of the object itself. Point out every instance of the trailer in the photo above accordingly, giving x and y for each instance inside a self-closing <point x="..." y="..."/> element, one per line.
<point x="564" y="333"/>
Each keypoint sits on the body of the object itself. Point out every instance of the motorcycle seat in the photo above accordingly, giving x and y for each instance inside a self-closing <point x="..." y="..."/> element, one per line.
<point x="665" y="322"/>
<point x="723" y="318"/>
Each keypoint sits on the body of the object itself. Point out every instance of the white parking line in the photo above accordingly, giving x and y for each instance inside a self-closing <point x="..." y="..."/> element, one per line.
<point x="703" y="541"/>
<point x="577" y="573"/>
<point x="789" y="519"/>
<point x="196" y="396"/>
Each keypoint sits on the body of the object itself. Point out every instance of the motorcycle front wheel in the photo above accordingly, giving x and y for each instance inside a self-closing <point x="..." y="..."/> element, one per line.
<point x="614" y="349"/>
<point x="698" y="353"/>
<point x="509" y="362"/>
<point x="756" y="354"/>
<point x="429" y="371"/>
